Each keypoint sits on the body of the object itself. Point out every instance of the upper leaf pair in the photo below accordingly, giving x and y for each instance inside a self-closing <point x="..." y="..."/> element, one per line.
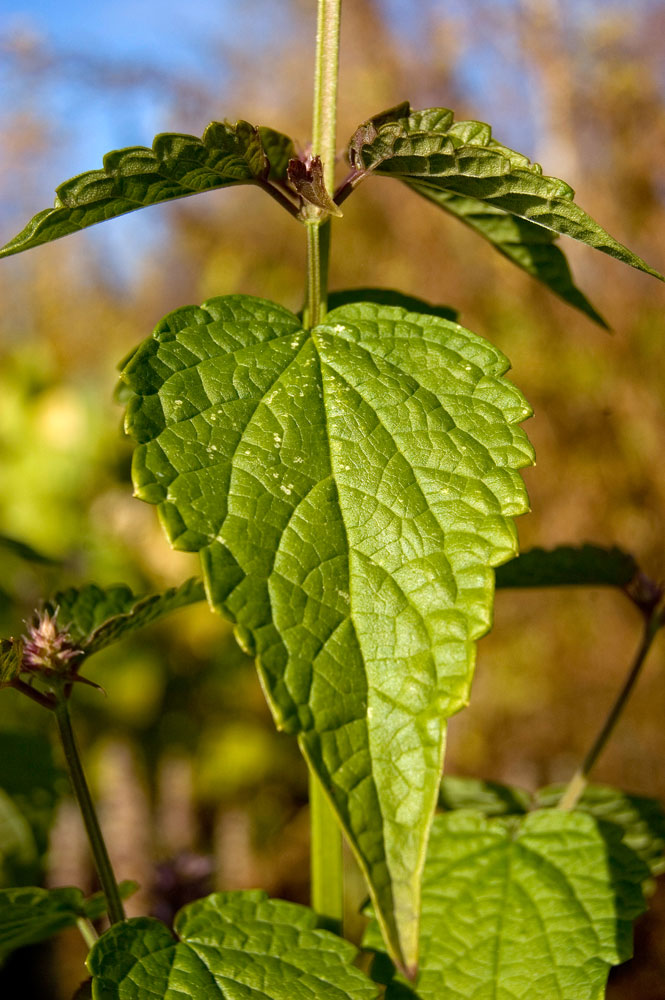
<point x="458" y="166"/>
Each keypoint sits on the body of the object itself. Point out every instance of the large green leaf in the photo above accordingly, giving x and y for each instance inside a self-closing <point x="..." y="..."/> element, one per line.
<point x="569" y="565"/>
<point x="97" y="617"/>
<point x="31" y="914"/>
<point x="495" y="190"/>
<point x="349" y="488"/>
<point x="538" y="907"/>
<point x="529" y="246"/>
<point x="175" y="166"/>
<point x="231" y="945"/>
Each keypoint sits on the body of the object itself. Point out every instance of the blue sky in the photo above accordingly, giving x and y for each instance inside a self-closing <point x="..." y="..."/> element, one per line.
<point x="196" y="42"/>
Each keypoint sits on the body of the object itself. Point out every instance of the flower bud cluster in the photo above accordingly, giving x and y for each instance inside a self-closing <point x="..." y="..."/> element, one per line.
<point x="49" y="649"/>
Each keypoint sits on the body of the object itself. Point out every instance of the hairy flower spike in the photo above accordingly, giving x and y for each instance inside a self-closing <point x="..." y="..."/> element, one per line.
<point x="49" y="649"/>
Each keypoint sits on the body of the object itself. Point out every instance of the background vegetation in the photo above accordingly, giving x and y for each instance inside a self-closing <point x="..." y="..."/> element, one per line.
<point x="196" y="789"/>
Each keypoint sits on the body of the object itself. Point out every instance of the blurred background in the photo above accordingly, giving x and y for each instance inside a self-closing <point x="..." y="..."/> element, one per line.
<point x="196" y="790"/>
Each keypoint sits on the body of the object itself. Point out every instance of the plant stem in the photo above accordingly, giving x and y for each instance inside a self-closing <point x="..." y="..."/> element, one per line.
<point x="82" y="792"/>
<point x="326" y="859"/>
<point x="324" y="120"/>
<point x="326" y="838"/>
<point x="579" y="781"/>
<point x="313" y="293"/>
<point x="87" y="931"/>
<point x="325" y="87"/>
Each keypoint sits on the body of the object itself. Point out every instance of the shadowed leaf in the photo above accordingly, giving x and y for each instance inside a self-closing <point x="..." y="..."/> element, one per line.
<point x="537" y="906"/>
<point x="568" y="565"/>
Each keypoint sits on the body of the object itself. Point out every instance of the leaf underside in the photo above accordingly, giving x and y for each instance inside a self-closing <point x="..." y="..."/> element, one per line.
<point x="540" y="906"/>
<point x="176" y="166"/>
<point x="231" y="945"/>
<point x="496" y="191"/>
<point x="348" y="488"/>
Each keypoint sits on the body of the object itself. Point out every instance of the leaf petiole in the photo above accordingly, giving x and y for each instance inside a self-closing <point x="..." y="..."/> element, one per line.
<point x="579" y="781"/>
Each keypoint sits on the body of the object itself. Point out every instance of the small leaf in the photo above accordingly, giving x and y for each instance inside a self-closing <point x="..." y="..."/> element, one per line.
<point x="568" y="565"/>
<point x="306" y="179"/>
<point x="349" y="489"/>
<point x="540" y="906"/>
<point x="529" y="246"/>
<point x="428" y="150"/>
<point x="232" y="944"/>
<point x="30" y="915"/>
<point x="97" y="617"/>
<point x="176" y="166"/>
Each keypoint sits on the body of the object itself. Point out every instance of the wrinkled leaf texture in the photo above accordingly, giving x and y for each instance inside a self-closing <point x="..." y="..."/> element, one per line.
<point x="536" y="907"/>
<point x="639" y="819"/>
<point x="176" y="166"/>
<point x="496" y="191"/>
<point x="349" y="489"/>
<point x="231" y="945"/>
<point x="98" y="616"/>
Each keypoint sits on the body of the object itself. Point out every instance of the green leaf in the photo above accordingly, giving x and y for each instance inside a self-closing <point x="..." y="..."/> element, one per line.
<point x="10" y="660"/>
<point x="19" y="857"/>
<point x="641" y="820"/>
<point x="349" y="488"/>
<point x="176" y="166"/>
<point x="541" y="906"/>
<point x="29" y="775"/>
<point x="437" y="156"/>
<point x="488" y="797"/>
<point x="568" y="565"/>
<point x="97" y="617"/>
<point x="529" y="246"/>
<point x="388" y="297"/>
<point x="231" y="945"/>
<point x="26" y="552"/>
<point x="30" y="915"/>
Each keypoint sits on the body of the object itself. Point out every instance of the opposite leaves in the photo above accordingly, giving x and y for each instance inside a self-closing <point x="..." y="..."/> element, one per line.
<point x="349" y="489"/>
<point x="176" y="166"/>
<point x="538" y="907"/>
<point x="496" y="191"/>
<point x="231" y="945"/>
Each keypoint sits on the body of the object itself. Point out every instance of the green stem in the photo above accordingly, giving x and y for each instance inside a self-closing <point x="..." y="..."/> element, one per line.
<point x="87" y="931"/>
<point x="326" y="859"/>
<point x="313" y="302"/>
<point x="579" y="781"/>
<point x="326" y="72"/>
<point x="326" y="842"/>
<point x="82" y="792"/>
